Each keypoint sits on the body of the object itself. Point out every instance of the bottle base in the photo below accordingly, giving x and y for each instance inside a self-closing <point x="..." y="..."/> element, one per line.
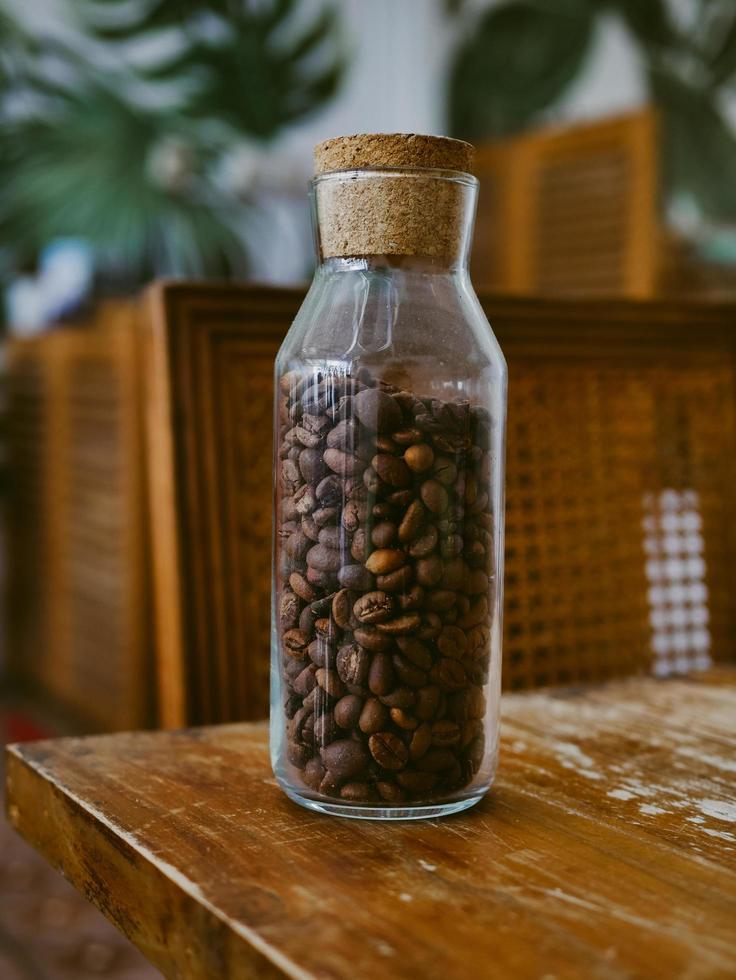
<point x="356" y="811"/>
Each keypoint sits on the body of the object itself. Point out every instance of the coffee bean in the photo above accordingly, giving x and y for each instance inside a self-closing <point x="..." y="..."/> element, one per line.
<point x="298" y="754"/>
<point x="312" y="465"/>
<point x="325" y="728"/>
<point x="324" y="559"/>
<point x="295" y="643"/>
<point x="383" y="534"/>
<point x="385" y="560"/>
<point x="288" y="611"/>
<point x="358" y="792"/>
<point x="305" y="500"/>
<point x="305" y="682"/>
<point x="419" y="457"/>
<point x="345" y="758"/>
<point x="407" y="672"/>
<point x="371" y="639"/>
<point x="434" y="496"/>
<point x="411" y="599"/>
<point x="416" y="782"/>
<point x="446" y="733"/>
<point x="373" y="607"/>
<point x="377" y="410"/>
<point x="325" y="515"/>
<point x="352" y="664"/>
<point x="344" y="436"/>
<point x="437" y="760"/>
<point x="342" y="606"/>
<point x="314" y="773"/>
<point x="401" y="625"/>
<point x="420" y="742"/>
<point x="345" y="464"/>
<point x="390" y="792"/>
<point x="359" y="548"/>
<point x="415" y="652"/>
<point x="297" y="545"/>
<point x="355" y="577"/>
<point x="348" y="710"/>
<point x="402" y="719"/>
<point x="400" y="697"/>
<point x="449" y="675"/>
<point x="302" y="587"/>
<point x="427" y="702"/>
<point x="398" y="581"/>
<point x="391" y="470"/>
<point x="380" y="674"/>
<point x="412" y="522"/>
<point x="445" y="471"/>
<point x="373" y="717"/>
<point x="452" y="642"/>
<point x="330" y="490"/>
<point x="388" y="750"/>
<point x="425" y="544"/>
<point x="330" y="682"/>
<point x="428" y="571"/>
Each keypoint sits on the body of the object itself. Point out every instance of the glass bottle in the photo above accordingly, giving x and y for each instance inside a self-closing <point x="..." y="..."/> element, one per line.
<point x="390" y="413"/>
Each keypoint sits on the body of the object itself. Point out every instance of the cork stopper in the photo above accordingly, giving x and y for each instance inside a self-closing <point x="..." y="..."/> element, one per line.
<point x="385" y="205"/>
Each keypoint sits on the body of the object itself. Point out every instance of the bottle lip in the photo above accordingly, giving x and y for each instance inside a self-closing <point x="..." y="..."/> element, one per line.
<point x="452" y="176"/>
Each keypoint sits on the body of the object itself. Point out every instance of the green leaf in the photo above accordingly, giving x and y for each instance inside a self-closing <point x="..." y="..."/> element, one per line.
<point x="648" y="20"/>
<point x="518" y="60"/>
<point x="698" y="149"/>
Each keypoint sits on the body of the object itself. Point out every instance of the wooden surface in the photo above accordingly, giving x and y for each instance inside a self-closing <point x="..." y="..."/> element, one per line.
<point x="621" y="456"/>
<point x="571" y="210"/>
<point x="606" y="849"/>
<point x="78" y="623"/>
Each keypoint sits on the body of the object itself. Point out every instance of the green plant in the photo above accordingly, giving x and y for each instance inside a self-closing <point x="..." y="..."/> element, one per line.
<point x="521" y="56"/>
<point x="96" y="152"/>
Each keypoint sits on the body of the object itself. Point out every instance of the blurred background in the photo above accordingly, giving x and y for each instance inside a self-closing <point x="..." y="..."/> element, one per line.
<point x="173" y="138"/>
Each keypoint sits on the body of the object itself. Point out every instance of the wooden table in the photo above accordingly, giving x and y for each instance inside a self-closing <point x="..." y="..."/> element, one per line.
<point x="607" y="849"/>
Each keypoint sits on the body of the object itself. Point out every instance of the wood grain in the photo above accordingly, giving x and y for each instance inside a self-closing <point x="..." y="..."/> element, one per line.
<point x="606" y="849"/>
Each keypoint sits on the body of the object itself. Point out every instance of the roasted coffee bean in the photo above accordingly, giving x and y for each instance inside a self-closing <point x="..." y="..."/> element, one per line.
<point x="330" y="490"/>
<point x="427" y="702"/>
<point x="430" y="626"/>
<point x="345" y="758"/>
<point x="377" y="410"/>
<point x="448" y="674"/>
<point x="344" y="436"/>
<point x="330" y="682"/>
<point x="383" y="534"/>
<point x="355" y="577"/>
<point x="289" y="607"/>
<point x="359" y="547"/>
<point x="416" y="782"/>
<point x="380" y="674"/>
<point x="374" y="717"/>
<point x="325" y="728"/>
<point x="437" y="760"/>
<point x="425" y="544"/>
<point x="452" y="642"/>
<point x="400" y="697"/>
<point x="348" y="710"/>
<point x="398" y="581"/>
<point x="358" y="792"/>
<point x="445" y="471"/>
<point x="325" y="515"/>
<point x="373" y="607"/>
<point x="386" y="444"/>
<point x="305" y="500"/>
<point x="310" y="528"/>
<point x="403" y="719"/>
<point x="388" y="750"/>
<point x="302" y="587"/>
<point x="468" y="704"/>
<point x="434" y="496"/>
<point x="428" y="571"/>
<point x="295" y="642"/>
<point x="411" y="599"/>
<point x="420" y="742"/>
<point x="312" y="465"/>
<point x="352" y="663"/>
<point x="314" y="773"/>
<point x="400" y="625"/>
<point x="412" y="522"/>
<point x="371" y="639"/>
<point x="324" y="559"/>
<point x="407" y="672"/>
<point x="446" y="733"/>
<point x="391" y="470"/>
<point x="419" y="457"/>
<point x="342" y="607"/>
<point x="440" y="600"/>
<point x="345" y="464"/>
<point x="390" y="792"/>
<point x="298" y="754"/>
<point x="415" y="652"/>
<point x="305" y="682"/>
<point x="385" y="560"/>
<point x="297" y="545"/>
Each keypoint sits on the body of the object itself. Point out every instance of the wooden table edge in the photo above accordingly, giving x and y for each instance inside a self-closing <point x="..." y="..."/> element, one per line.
<point x="27" y="782"/>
